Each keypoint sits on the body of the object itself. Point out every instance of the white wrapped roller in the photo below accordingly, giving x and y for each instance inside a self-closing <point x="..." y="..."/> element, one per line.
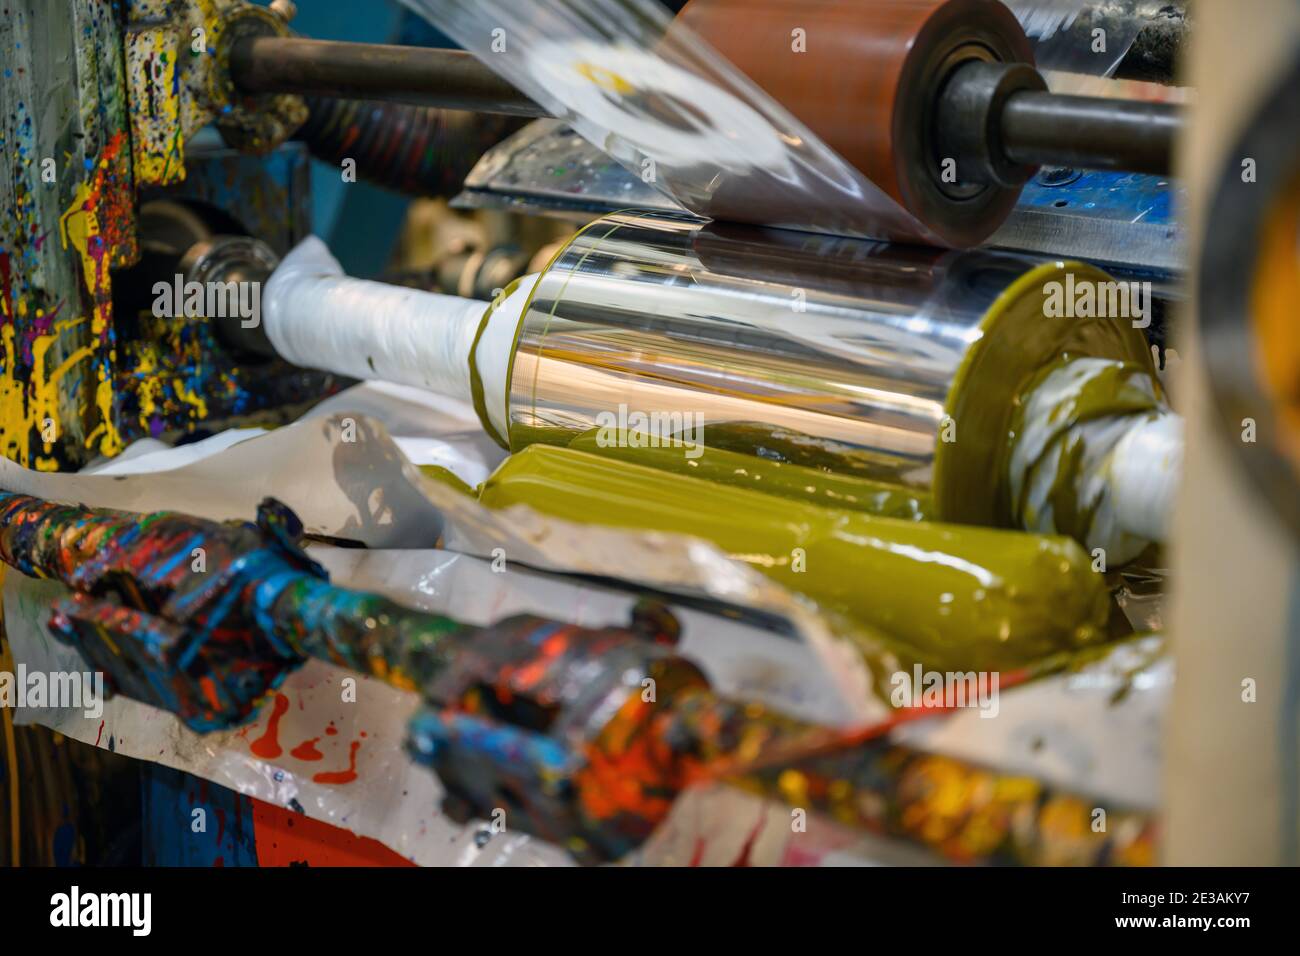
<point x="1144" y="475"/>
<point x="1116" y="472"/>
<point x="317" y="317"/>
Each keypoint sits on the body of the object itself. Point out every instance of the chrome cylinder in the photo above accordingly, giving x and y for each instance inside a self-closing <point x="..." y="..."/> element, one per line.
<point x="827" y="352"/>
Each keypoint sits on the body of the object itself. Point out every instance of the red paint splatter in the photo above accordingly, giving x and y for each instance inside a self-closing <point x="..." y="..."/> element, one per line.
<point x="307" y="750"/>
<point x="747" y="850"/>
<point x="342" y="776"/>
<point x="6" y="285"/>
<point x="697" y="856"/>
<point x="99" y="736"/>
<point x="331" y="730"/>
<point x="268" y="746"/>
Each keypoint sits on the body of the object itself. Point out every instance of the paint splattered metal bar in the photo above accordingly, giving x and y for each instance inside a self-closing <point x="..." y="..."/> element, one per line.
<point x="203" y="618"/>
<point x="963" y="812"/>
<point x="582" y="736"/>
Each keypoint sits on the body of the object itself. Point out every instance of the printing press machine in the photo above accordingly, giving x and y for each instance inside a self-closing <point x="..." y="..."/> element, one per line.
<point x="703" y="434"/>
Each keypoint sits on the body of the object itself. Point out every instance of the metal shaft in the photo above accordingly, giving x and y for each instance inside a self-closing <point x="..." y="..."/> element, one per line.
<point x="998" y="122"/>
<point x="451" y="79"/>
<point x="1090" y="132"/>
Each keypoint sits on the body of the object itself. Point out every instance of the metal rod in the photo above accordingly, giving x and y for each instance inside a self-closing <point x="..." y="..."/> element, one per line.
<point x="1041" y="129"/>
<point x="451" y="79"/>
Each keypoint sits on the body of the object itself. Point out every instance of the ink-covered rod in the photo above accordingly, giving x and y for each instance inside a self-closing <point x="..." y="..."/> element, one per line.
<point x="962" y="811"/>
<point x="202" y="618"/>
<point x="587" y="739"/>
<point x="583" y="736"/>
<point x="951" y="597"/>
<point x="588" y="742"/>
<point x="449" y="79"/>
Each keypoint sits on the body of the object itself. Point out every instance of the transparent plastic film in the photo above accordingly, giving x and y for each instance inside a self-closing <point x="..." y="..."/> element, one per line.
<point x="815" y="351"/>
<point x="660" y="98"/>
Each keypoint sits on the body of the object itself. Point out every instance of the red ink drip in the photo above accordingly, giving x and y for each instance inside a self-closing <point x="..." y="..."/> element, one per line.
<point x="697" y="856"/>
<point x="307" y="750"/>
<point x="331" y="730"/>
<point x="99" y="736"/>
<point x="6" y="285"/>
<point x="341" y="776"/>
<point x="748" y="849"/>
<point x="267" y="746"/>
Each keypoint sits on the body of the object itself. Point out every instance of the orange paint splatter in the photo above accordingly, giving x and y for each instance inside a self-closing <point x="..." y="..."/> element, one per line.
<point x="209" y="688"/>
<point x="307" y="750"/>
<point x="268" y="746"/>
<point x="342" y="776"/>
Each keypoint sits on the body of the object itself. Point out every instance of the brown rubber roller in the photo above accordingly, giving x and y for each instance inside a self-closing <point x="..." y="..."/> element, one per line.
<point x="867" y="83"/>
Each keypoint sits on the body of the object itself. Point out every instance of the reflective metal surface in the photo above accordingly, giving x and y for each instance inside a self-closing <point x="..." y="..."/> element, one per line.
<point x="816" y="350"/>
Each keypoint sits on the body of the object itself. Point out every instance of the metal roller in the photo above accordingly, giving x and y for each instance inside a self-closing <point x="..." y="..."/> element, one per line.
<point x="830" y="353"/>
<point x="867" y="80"/>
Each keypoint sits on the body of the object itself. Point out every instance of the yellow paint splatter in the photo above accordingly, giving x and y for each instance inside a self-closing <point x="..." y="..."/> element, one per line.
<point x="155" y="97"/>
<point x="77" y="227"/>
<point x="42" y="412"/>
<point x="191" y="398"/>
<point x="13" y="406"/>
